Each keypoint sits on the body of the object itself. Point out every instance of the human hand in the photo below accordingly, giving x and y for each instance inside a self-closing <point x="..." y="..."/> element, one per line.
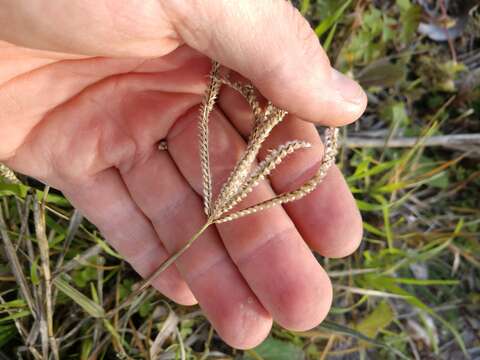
<point x="96" y="86"/>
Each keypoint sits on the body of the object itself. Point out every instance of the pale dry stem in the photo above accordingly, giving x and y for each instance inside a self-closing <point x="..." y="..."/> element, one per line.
<point x="47" y="308"/>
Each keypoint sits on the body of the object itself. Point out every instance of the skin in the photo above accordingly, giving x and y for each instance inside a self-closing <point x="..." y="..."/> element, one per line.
<point x="88" y="89"/>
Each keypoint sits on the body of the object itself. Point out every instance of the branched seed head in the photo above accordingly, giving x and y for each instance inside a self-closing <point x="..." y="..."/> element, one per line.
<point x="260" y="132"/>
<point x="327" y="161"/>
<point x="242" y="179"/>
<point x="263" y="170"/>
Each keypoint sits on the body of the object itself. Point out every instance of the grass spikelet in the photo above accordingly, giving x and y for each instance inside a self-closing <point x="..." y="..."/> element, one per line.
<point x="305" y="189"/>
<point x="248" y="92"/>
<point x="260" y="132"/>
<point x="264" y="169"/>
<point x="205" y="110"/>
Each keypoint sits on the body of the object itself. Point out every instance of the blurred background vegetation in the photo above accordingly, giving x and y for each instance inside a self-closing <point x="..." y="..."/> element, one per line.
<point x="412" y="290"/>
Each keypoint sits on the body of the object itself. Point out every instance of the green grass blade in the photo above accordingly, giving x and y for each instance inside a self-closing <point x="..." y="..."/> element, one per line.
<point x="330" y="21"/>
<point x="345" y="330"/>
<point x="90" y="306"/>
<point x="17" y="315"/>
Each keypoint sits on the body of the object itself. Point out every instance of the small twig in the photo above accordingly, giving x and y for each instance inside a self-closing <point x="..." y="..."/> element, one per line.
<point x="328" y="347"/>
<point x="442" y="140"/>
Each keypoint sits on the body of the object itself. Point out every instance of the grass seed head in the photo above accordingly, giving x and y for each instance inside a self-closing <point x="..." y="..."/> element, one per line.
<point x="242" y="179"/>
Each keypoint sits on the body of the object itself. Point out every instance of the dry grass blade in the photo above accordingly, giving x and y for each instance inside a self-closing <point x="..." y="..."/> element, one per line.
<point x="73" y="227"/>
<point x="78" y="260"/>
<point x="168" y="328"/>
<point x="369" y="292"/>
<point x="205" y="110"/>
<point x="16" y="267"/>
<point x="39" y="216"/>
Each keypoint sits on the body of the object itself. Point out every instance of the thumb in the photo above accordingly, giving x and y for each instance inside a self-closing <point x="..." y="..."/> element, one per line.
<point x="267" y="41"/>
<point x="271" y="43"/>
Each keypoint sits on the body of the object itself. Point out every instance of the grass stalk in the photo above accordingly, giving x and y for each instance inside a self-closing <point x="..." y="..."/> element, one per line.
<point x="40" y="230"/>
<point x="164" y="266"/>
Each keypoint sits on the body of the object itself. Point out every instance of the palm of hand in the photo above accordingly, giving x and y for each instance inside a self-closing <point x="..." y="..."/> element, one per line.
<point x="91" y="127"/>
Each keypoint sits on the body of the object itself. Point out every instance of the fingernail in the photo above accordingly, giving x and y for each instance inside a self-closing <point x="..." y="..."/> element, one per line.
<point x="349" y="90"/>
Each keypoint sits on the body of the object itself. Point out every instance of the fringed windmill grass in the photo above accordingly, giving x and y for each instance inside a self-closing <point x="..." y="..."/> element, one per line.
<point x="242" y="179"/>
